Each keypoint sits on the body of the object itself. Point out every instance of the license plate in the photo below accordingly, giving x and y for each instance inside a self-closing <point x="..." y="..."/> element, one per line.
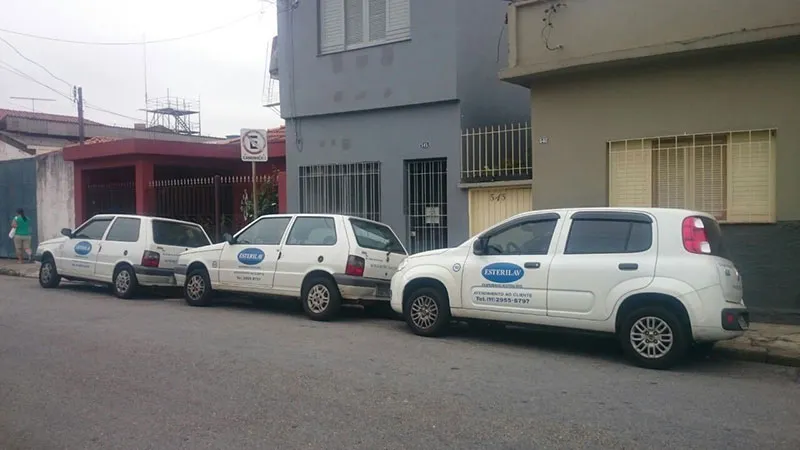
<point x="380" y="292"/>
<point x="743" y="324"/>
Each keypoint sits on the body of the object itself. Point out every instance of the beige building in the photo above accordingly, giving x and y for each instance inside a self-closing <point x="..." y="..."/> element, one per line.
<point x="678" y="103"/>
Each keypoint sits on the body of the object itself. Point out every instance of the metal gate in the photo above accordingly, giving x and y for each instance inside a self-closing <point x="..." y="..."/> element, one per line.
<point x="426" y="204"/>
<point x="17" y="190"/>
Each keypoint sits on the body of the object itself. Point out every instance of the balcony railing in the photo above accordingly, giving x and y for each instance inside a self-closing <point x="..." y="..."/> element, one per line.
<point x="496" y="153"/>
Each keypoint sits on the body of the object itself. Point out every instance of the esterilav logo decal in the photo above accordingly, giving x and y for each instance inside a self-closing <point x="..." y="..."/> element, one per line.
<point x="250" y="256"/>
<point x="502" y="272"/>
<point x="83" y="248"/>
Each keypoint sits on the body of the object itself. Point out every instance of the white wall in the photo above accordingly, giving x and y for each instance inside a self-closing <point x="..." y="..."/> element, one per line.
<point x="55" y="199"/>
<point x="9" y="152"/>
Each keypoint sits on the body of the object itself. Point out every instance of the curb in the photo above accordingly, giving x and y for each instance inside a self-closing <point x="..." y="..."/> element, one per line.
<point x="15" y="273"/>
<point x="758" y="354"/>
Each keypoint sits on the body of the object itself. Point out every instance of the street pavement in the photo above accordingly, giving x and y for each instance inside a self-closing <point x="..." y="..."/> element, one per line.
<point x="80" y="369"/>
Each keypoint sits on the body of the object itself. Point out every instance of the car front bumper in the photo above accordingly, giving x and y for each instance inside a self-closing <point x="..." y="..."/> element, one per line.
<point x="359" y="288"/>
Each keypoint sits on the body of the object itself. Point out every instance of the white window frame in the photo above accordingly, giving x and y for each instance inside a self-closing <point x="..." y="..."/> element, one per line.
<point x="339" y="21"/>
<point x="639" y="156"/>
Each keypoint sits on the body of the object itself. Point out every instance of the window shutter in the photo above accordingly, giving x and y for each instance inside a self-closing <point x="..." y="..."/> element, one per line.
<point x="331" y="17"/>
<point x="630" y="181"/>
<point x="709" y="174"/>
<point x="377" y="20"/>
<point x="670" y="167"/>
<point x="751" y="171"/>
<point x="398" y="19"/>
<point x="354" y="22"/>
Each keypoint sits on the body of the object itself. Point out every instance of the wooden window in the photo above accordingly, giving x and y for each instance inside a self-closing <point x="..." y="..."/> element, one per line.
<point x="351" y="24"/>
<point x="730" y="175"/>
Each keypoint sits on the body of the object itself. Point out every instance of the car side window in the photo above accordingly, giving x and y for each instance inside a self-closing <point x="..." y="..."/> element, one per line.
<point x="124" y="229"/>
<point x="598" y="236"/>
<point x="268" y="231"/>
<point x="312" y="231"/>
<point x="525" y="238"/>
<point x="94" y="229"/>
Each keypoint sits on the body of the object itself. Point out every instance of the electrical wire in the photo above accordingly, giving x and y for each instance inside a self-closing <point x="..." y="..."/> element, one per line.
<point x="123" y="43"/>
<point x="36" y="63"/>
<point x="87" y="105"/>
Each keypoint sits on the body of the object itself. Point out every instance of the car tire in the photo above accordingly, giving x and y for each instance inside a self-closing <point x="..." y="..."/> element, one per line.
<point x="427" y="312"/>
<point x="48" y="274"/>
<point x="124" y="283"/>
<point x="321" y="299"/>
<point x="654" y="338"/>
<point x="197" y="288"/>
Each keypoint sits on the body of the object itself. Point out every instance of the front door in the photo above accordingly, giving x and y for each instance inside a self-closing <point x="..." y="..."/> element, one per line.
<point x="79" y="253"/>
<point x="511" y="277"/>
<point x="249" y="263"/>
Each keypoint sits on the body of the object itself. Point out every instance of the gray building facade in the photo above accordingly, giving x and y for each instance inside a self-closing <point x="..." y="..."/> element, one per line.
<point x="375" y="94"/>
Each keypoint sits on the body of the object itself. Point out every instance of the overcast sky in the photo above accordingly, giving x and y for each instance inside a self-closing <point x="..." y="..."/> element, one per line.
<point x="224" y="68"/>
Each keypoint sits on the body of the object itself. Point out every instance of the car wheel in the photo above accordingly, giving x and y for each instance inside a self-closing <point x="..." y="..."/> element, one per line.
<point x="197" y="288"/>
<point x="427" y="312"/>
<point x="654" y="338"/>
<point x="125" y="283"/>
<point x="321" y="299"/>
<point x="48" y="275"/>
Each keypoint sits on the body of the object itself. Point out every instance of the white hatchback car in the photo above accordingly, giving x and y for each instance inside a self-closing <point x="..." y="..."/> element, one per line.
<point x="660" y="279"/>
<point x="124" y="251"/>
<point x="323" y="259"/>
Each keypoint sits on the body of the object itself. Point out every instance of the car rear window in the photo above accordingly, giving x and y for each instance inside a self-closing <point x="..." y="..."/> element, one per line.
<point x="376" y="236"/>
<point x="179" y="234"/>
<point x="714" y="236"/>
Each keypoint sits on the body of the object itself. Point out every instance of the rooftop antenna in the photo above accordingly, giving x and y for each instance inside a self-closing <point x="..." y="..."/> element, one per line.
<point x="33" y="101"/>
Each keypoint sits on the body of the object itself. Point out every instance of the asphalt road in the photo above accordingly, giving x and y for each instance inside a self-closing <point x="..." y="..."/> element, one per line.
<point x="80" y="369"/>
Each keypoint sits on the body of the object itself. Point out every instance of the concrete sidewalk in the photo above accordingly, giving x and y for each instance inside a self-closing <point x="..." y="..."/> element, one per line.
<point x="764" y="342"/>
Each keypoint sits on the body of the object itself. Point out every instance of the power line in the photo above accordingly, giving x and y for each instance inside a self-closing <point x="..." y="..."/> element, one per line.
<point x="36" y="63"/>
<point x="122" y="43"/>
<point x="24" y="75"/>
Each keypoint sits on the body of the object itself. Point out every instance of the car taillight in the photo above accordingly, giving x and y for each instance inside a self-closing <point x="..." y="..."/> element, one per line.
<point x="695" y="239"/>
<point x="150" y="259"/>
<point x="355" y="266"/>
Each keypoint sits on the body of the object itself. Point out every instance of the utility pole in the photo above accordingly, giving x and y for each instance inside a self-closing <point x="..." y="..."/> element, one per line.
<point x="78" y="93"/>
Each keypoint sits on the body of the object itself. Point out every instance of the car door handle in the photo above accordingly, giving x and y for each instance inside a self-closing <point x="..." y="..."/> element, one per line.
<point x="532" y="265"/>
<point x="628" y="266"/>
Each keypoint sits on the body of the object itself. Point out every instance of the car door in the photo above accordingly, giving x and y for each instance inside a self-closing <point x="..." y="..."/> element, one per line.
<point x="379" y="246"/>
<point x="249" y="263"/>
<point x="601" y="256"/>
<point x="120" y="243"/>
<point x="507" y="272"/>
<point x="311" y="243"/>
<point x="79" y="253"/>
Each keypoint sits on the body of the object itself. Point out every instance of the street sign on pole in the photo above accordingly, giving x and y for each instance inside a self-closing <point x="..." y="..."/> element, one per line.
<point x="254" y="145"/>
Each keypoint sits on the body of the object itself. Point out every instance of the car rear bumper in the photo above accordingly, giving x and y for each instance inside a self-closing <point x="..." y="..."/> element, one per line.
<point x="359" y="288"/>
<point x="154" y="276"/>
<point x="735" y="319"/>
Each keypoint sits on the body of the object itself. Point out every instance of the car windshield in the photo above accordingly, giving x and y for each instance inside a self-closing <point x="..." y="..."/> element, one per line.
<point x="179" y="234"/>
<point x="376" y="236"/>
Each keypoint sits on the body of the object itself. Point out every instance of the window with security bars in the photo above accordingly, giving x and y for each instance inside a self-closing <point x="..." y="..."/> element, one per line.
<point x="730" y="175"/>
<point x="351" y="189"/>
<point x="350" y="24"/>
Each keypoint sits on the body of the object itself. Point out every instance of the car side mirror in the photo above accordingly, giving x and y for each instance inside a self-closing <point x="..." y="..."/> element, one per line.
<point x="228" y="238"/>
<point x="479" y="246"/>
<point x="66" y="232"/>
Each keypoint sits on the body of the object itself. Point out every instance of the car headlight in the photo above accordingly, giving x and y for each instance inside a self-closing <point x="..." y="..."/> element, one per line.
<point x="402" y="265"/>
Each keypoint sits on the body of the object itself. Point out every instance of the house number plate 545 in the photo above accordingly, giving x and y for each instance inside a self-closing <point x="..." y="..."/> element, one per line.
<point x="497" y="197"/>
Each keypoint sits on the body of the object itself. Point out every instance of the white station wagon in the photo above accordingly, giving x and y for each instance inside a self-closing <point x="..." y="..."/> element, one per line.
<point x="660" y="279"/>
<point x="323" y="259"/>
<point x="124" y="251"/>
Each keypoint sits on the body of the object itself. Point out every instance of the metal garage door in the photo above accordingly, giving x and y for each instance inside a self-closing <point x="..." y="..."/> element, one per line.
<point x="17" y="190"/>
<point x="487" y="206"/>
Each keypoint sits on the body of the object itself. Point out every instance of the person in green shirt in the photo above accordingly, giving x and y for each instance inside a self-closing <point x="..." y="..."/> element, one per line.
<point x="22" y="234"/>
